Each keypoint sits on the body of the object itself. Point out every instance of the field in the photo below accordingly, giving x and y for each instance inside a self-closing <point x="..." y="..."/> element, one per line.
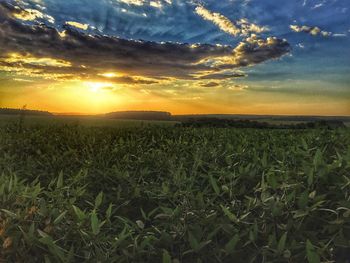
<point x="73" y="193"/>
<point x="88" y="121"/>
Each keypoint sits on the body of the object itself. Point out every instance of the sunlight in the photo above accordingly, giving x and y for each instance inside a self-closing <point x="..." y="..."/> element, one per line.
<point x="98" y="86"/>
<point x="36" y="61"/>
<point x="84" y="96"/>
<point x="109" y="75"/>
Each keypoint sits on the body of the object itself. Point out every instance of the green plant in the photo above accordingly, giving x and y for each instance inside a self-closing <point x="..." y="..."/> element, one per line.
<point x="165" y="194"/>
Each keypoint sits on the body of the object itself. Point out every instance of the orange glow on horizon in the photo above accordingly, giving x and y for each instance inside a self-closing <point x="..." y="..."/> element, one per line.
<point x="89" y="97"/>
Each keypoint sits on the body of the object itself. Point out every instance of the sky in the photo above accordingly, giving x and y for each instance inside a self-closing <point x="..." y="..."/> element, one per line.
<point x="287" y="57"/>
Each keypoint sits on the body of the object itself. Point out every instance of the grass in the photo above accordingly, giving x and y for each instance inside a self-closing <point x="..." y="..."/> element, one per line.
<point x="70" y="193"/>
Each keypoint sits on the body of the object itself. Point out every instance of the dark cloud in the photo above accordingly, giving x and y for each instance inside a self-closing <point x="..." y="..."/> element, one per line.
<point x="223" y="76"/>
<point x="128" y="80"/>
<point x="256" y="50"/>
<point x="210" y="84"/>
<point x="74" y="53"/>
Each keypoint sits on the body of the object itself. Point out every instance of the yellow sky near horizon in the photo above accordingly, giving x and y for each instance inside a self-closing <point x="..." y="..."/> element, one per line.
<point x="88" y="97"/>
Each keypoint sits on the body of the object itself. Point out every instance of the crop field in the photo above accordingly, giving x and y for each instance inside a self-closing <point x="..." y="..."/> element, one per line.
<point x="72" y="193"/>
<point x="88" y="121"/>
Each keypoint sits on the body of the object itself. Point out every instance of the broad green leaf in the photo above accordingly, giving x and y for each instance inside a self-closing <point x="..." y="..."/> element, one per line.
<point x="271" y="179"/>
<point x="109" y="211"/>
<point x="193" y="241"/>
<point x="79" y="213"/>
<point x="42" y="233"/>
<point x="310" y="177"/>
<point x="46" y="240"/>
<point x="230" y="215"/>
<point x="47" y="259"/>
<point x="312" y="255"/>
<point x="98" y="200"/>
<point x="304" y="144"/>
<point x="140" y="224"/>
<point x="95" y="226"/>
<point x="318" y="158"/>
<point x="166" y="257"/>
<point x="282" y="243"/>
<point x="231" y="245"/>
<point x="60" y="180"/>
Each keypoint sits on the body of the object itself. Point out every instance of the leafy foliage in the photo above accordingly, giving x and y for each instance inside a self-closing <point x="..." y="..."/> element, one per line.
<point x="165" y="194"/>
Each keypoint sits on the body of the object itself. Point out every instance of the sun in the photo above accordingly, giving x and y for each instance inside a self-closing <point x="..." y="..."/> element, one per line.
<point x="109" y="75"/>
<point x="98" y="86"/>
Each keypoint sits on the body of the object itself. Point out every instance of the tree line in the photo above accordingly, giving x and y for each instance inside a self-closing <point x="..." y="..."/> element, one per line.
<point x="9" y="111"/>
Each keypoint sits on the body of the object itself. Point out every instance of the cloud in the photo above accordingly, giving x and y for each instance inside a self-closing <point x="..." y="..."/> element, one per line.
<point x="129" y="80"/>
<point x="218" y="19"/>
<point x="241" y="27"/>
<point x="317" y="6"/>
<point x="210" y="84"/>
<point x="248" y="28"/>
<point x="255" y="50"/>
<point x="29" y="14"/>
<point x="340" y="35"/>
<point x="223" y="76"/>
<point x="16" y="58"/>
<point x="153" y="3"/>
<point x="310" y="30"/>
<point x="258" y="50"/>
<point x="40" y="50"/>
<point x="156" y="4"/>
<point x="238" y="87"/>
<point x="133" y="2"/>
<point x="77" y="25"/>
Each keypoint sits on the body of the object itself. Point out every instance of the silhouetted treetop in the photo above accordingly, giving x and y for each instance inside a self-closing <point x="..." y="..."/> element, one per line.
<point x="10" y="111"/>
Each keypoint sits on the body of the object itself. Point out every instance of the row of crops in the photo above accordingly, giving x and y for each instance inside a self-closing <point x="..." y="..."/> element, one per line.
<point x="165" y="194"/>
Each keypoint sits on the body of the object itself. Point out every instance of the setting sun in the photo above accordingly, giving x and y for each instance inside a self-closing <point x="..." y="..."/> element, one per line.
<point x="98" y="86"/>
<point x="109" y="75"/>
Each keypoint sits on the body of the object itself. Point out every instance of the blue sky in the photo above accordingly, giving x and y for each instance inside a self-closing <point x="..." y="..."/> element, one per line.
<point x="292" y="52"/>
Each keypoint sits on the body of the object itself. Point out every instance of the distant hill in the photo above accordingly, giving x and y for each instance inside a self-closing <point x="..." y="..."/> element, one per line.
<point x="293" y="118"/>
<point x="9" y="111"/>
<point x="140" y="115"/>
<point x="196" y="119"/>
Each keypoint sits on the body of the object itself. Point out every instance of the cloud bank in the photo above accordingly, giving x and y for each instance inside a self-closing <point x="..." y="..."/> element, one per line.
<point x="39" y="50"/>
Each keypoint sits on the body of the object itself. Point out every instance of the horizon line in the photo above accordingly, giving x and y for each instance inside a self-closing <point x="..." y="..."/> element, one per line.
<point x="184" y="114"/>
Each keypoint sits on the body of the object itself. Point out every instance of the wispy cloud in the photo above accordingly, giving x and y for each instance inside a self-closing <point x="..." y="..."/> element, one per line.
<point x="312" y="30"/>
<point x="210" y="84"/>
<point x="240" y="27"/>
<point x="152" y="3"/>
<point x="218" y="19"/>
<point x="133" y="2"/>
<point x="78" y="25"/>
<point x="31" y="15"/>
